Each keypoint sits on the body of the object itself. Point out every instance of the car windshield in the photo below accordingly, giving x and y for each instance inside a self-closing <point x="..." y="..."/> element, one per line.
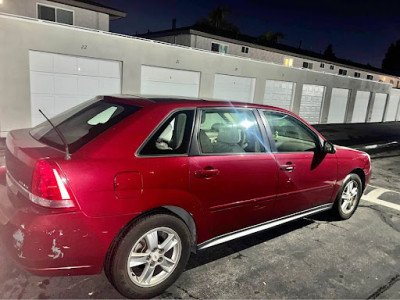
<point x="83" y="123"/>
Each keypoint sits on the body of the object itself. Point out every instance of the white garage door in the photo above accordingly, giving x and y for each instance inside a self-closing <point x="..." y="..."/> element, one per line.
<point x="378" y="108"/>
<point x="311" y="102"/>
<point x="234" y="88"/>
<point x="279" y="93"/>
<point x="59" y="82"/>
<point x="360" y="107"/>
<point x="338" y="106"/>
<point x="393" y="105"/>
<point x="169" y="82"/>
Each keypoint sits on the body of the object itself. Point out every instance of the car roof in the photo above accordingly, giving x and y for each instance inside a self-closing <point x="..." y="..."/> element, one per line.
<point x="177" y="102"/>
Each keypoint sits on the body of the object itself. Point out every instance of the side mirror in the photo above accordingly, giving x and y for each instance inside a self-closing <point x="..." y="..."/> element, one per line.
<point x="328" y="147"/>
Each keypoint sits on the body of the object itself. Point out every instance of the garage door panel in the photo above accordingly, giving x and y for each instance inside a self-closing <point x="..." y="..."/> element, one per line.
<point x="42" y="83"/>
<point x="162" y="88"/>
<point x="63" y="103"/>
<point x="88" y="85"/>
<point x="64" y="64"/>
<point x="311" y="103"/>
<point x="279" y="93"/>
<point x="41" y="62"/>
<point x="360" y="107"/>
<point x="66" y="84"/>
<point x="61" y="87"/>
<point x="109" y="86"/>
<point x="172" y="82"/>
<point x="43" y="102"/>
<point x="378" y="108"/>
<point x="158" y="74"/>
<point x="338" y="105"/>
<point x="88" y="66"/>
<point x="109" y="69"/>
<point x="392" y="107"/>
<point x="234" y="88"/>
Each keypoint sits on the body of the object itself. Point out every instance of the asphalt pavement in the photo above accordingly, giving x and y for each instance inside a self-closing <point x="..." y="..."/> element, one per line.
<point x="314" y="257"/>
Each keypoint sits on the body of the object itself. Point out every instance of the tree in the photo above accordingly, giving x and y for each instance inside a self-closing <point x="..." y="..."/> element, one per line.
<point x="218" y="19"/>
<point x="391" y="62"/>
<point x="271" y="37"/>
<point x="328" y="53"/>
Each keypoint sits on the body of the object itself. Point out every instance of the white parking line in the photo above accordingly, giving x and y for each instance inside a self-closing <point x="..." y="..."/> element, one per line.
<point x="373" y="197"/>
<point x="386" y="190"/>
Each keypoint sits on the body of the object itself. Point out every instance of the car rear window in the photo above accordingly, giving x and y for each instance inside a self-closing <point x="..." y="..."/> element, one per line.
<point x="83" y="123"/>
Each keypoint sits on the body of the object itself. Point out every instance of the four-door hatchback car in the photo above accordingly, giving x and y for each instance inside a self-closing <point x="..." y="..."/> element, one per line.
<point x="134" y="185"/>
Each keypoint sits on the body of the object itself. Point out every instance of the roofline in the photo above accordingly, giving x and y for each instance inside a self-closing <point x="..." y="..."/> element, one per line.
<point x="190" y="30"/>
<point x="146" y="40"/>
<point x="113" y="13"/>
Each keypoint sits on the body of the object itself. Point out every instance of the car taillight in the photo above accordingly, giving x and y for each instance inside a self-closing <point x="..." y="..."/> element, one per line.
<point x="50" y="187"/>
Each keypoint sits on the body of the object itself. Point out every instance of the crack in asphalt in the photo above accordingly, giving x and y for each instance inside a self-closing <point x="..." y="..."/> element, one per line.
<point x="382" y="216"/>
<point x="319" y="223"/>
<point x="187" y="292"/>
<point x="385" y="287"/>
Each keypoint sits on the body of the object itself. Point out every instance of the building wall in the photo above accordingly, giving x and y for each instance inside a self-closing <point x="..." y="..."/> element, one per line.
<point x="203" y="42"/>
<point x="21" y="35"/>
<point x="82" y="17"/>
<point x="182" y="39"/>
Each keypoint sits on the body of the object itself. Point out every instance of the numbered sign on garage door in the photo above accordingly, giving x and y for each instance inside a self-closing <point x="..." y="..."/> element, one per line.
<point x="311" y="102"/>
<point x="360" y="107"/>
<point x="279" y="93"/>
<point x="59" y="82"/>
<point x="393" y="105"/>
<point x="170" y="82"/>
<point x="338" y="106"/>
<point x="234" y="88"/>
<point x="378" y="108"/>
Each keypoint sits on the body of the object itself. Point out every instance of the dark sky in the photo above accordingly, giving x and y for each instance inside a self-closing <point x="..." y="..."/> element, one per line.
<point x="359" y="30"/>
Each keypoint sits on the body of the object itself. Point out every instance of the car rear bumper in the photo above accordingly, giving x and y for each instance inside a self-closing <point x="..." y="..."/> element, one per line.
<point x="49" y="243"/>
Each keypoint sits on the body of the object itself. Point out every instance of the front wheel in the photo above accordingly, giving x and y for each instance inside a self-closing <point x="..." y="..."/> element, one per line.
<point x="348" y="197"/>
<point x="150" y="256"/>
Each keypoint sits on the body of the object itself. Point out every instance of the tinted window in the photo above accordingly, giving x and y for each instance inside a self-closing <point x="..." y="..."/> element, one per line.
<point x="172" y="137"/>
<point x="83" y="123"/>
<point x="229" y="131"/>
<point x="46" y="13"/>
<point x="290" y="135"/>
<point x="65" y="16"/>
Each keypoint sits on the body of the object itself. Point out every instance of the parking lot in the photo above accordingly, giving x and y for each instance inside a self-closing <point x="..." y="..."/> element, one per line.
<point x="314" y="257"/>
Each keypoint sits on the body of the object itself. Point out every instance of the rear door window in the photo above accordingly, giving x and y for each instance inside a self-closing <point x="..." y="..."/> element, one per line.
<point x="172" y="137"/>
<point x="83" y="123"/>
<point x="229" y="131"/>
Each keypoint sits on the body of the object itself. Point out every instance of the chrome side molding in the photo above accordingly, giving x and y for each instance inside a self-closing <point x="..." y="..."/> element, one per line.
<point x="263" y="226"/>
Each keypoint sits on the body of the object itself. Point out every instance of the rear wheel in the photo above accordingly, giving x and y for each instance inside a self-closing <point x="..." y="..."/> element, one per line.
<point x="150" y="256"/>
<point x="348" y="197"/>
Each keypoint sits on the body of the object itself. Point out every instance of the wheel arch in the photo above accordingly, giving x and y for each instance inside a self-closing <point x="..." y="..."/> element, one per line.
<point x="360" y="174"/>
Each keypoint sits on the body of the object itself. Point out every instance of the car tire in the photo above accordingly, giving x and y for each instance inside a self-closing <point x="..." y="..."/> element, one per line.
<point x="348" y="197"/>
<point x="148" y="256"/>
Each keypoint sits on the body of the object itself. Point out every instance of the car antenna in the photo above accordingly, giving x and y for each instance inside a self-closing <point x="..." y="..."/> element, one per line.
<point x="67" y="155"/>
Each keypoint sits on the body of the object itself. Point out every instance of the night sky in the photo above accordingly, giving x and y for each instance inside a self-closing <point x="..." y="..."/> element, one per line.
<point x="359" y="30"/>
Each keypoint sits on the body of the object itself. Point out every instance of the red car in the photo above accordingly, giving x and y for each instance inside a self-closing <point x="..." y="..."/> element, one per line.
<point x="134" y="185"/>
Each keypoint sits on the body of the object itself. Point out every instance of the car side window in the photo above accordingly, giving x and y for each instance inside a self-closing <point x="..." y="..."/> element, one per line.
<point x="229" y="131"/>
<point x="172" y="137"/>
<point x="290" y="135"/>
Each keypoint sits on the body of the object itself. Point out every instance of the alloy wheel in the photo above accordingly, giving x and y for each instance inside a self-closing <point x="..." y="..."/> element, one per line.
<point x="154" y="257"/>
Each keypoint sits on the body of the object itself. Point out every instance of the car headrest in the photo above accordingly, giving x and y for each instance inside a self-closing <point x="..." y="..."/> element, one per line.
<point x="229" y="135"/>
<point x="216" y="126"/>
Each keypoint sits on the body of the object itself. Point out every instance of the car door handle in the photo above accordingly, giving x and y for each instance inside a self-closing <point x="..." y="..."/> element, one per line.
<point x="206" y="173"/>
<point x="287" y="167"/>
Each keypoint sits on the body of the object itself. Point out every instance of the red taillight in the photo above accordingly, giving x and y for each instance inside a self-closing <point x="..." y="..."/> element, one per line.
<point x="49" y="186"/>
